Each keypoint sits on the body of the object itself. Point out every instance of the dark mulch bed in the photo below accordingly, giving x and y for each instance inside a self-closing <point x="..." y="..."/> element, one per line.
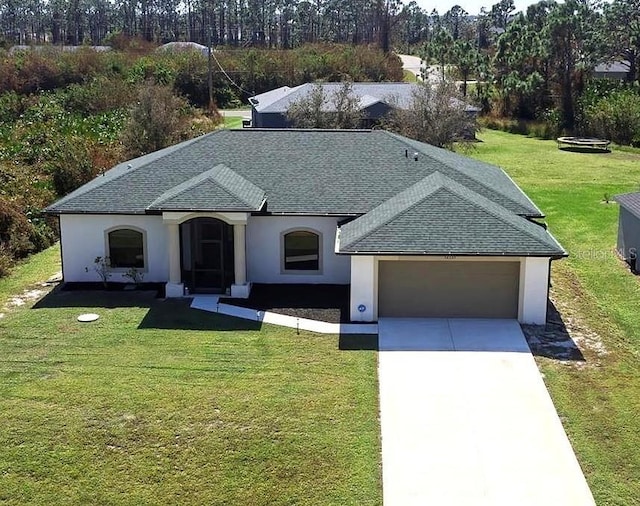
<point x="328" y="303"/>
<point x="116" y="287"/>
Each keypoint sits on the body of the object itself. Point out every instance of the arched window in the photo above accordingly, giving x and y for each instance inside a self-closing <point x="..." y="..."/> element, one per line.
<point x="301" y="251"/>
<point x="126" y="248"/>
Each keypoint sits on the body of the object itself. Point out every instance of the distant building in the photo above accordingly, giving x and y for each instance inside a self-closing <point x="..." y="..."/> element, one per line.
<point x="269" y="110"/>
<point x="66" y="49"/>
<point x="618" y="70"/>
<point x="177" y="47"/>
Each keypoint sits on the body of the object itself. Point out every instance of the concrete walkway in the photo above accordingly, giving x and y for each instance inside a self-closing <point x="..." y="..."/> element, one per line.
<point x="212" y="304"/>
<point x="466" y="419"/>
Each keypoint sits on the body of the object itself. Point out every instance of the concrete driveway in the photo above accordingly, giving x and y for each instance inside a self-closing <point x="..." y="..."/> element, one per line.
<point x="466" y="419"/>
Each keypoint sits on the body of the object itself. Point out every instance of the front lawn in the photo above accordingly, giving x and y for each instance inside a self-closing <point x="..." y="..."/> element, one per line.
<point x="156" y="403"/>
<point x="599" y="299"/>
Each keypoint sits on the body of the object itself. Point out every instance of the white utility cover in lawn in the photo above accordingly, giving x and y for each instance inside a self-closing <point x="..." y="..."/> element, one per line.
<point x="467" y="420"/>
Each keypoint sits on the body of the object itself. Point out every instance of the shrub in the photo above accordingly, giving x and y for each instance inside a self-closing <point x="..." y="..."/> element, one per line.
<point x="69" y="165"/>
<point x="615" y="117"/>
<point x="158" y="119"/>
<point x="15" y="230"/>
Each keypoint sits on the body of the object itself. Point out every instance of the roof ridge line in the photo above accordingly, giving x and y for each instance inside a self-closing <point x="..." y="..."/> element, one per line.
<point x="128" y="168"/>
<point x="500" y="216"/>
<point x="477" y="180"/>
<point x="435" y="175"/>
<point x="236" y="194"/>
<point x="194" y="181"/>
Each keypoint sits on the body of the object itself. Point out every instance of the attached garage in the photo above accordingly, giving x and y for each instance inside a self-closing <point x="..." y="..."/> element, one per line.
<point x="448" y="289"/>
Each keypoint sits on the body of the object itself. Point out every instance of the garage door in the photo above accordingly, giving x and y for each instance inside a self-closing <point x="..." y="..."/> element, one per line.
<point x="448" y="289"/>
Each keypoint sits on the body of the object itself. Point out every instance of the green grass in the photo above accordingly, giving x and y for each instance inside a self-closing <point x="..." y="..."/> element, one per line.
<point x="599" y="401"/>
<point x="28" y="274"/>
<point x="409" y="77"/>
<point x="156" y="403"/>
<point x="232" y="122"/>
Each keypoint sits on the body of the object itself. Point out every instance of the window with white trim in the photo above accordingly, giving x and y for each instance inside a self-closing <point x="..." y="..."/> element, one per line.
<point x="301" y="251"/>
<point x="126" y="248"/>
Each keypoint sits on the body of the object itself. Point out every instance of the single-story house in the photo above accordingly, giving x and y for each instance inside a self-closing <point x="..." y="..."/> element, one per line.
<point x="269" y="110"/>
<point x="416" y="231"/>
<point x="618" y="70"/>
<point x="629" y="228"/>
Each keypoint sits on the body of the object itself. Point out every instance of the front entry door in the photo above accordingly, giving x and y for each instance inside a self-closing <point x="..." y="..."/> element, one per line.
<point x="211" y="256"/>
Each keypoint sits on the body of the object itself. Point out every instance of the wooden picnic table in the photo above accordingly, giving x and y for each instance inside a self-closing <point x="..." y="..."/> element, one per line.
<point x="584" y="142"/>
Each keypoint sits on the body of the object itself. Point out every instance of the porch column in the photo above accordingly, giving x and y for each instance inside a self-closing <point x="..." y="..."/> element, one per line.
<point x="240" y="288"/>
<point x="174" y="288"/>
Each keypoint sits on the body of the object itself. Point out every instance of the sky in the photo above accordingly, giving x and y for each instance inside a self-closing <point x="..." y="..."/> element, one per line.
<point x="471" y="6"/>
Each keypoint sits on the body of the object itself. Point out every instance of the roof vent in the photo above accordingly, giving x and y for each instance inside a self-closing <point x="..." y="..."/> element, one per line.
<point x="129" y="166"/>
<point x="406" y="153"/>
<point x="415" y="156"/>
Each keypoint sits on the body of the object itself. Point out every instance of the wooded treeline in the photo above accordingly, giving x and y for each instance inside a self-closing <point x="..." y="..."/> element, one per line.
<point x="65" y="117"/>
<point x="538" y="64"/>
<point x="268" y="23"/>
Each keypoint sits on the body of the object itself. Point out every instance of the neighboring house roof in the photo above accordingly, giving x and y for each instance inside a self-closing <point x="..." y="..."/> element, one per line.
<point x="460" y="222"/>
<point x="396" y="94"/>
<point x="630" y="201"/>
<point x="614" y="67"/>
<point x="315" y="172"/>
<point x="66" y="49"/>
<point x="183" y="46"/>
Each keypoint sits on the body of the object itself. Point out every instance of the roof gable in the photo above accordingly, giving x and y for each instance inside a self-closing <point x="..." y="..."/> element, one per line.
<point x="218" y="189"/>
<point x="458" y="220"/>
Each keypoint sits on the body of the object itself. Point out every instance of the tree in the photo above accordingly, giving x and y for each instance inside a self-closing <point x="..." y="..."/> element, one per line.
<point x="465" y="57"/>
<point x="520" y="72"/>
<point x="501" y="13"/>
<point x="439" y="49"/>
<point x="157" y="120"/>
<point x="317" y="109"/>
<point x="571" y="35"/>
<point x="622" y="29"/>
<point x="455" y="20"/>
<point x="435" y="115"/>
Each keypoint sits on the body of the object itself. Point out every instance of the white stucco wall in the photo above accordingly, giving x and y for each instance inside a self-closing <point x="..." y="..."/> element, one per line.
<point x="264" y="250"/>
<point x="83" y="239"/>
<point x="364" y="288"/>
<point x="534" y="290"/>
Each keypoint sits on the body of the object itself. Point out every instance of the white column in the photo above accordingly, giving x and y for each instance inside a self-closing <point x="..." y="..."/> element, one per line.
<point x="363" y="304"/>
<point x="240" y="288"/>
<point x="534" y="290"/>
<point x="239" y="254"/>
<point x="174" y="288"/>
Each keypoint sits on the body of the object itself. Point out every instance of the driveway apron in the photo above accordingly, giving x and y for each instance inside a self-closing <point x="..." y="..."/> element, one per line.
<point x="467" y="420"/>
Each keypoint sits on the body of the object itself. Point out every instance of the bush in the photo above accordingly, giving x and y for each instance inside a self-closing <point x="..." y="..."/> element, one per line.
<point x="540" y="129"/>
<point x="69" y="165"/>
<point x="615" y="117"/>
<point x="158" y="119"/>
<point x="15" y="230"/>
<point x="102" y="94"/>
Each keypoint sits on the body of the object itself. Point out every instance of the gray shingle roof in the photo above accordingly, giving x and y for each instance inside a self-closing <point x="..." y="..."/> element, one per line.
<point x="438" y="216"/>
<point x="613" y="66"/>
<point x="279" y="100"/>
<point x="345" y="173"/>
<point x="630" y="201"/>
<point x="218" y="189"/>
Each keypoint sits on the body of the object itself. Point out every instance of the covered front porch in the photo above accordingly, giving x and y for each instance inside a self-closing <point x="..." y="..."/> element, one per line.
<point x="207" y="253"/>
